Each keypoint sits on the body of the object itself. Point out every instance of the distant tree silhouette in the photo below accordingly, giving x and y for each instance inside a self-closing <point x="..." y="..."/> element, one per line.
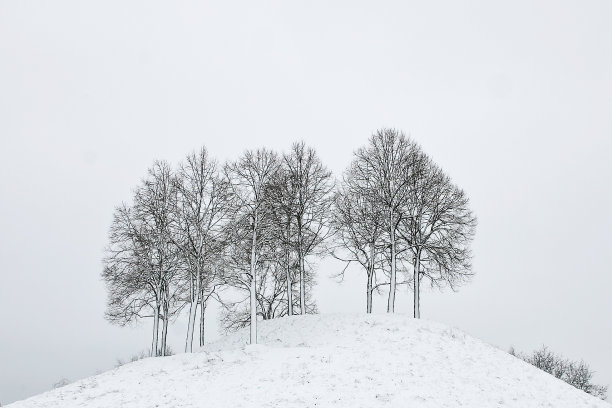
<point x="575" y="373"/>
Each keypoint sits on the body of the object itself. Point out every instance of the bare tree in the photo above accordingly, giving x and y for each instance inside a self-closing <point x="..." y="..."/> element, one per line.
<point x="311" y="186"/>
<point x="282" y="204"/>
<point x="141" y="262"/>
<point x="203" y="208"/>
<point x="134" y="288"/>
<point x="154" y="204"/>
<point x="235" y="292"/>
<point x="381" y="171"/>
<point x="206" y="292"/>
<point x="437" y="226"/>
<point x="272" y="297"/>
<point x="249" y="178"/>
<point x="359" y="226"/>
<point x="577" y="374"/>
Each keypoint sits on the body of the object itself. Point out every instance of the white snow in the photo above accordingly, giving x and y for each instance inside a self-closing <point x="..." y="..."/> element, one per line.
<point x="328" y="361"/>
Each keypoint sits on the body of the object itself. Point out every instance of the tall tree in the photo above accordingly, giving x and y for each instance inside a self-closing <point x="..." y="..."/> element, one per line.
<point x="249" y="178"/>
<point x="154" y="204"/>
<point x="133" y="286"/>
<point x="282" y="204"/>
<point x="203" y="207"/>
<point x="141" y="262"/>
<point x="382" y="170"/>
<point x="438" y="227"/>
<point x="311" y="185"/>
<point x="359" y="226"/>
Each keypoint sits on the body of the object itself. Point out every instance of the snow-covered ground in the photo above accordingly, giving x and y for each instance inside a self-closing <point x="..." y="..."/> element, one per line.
<point x="328" y="361"/>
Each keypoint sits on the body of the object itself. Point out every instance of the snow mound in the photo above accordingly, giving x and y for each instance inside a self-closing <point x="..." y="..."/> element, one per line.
<point x="328" y="361"/>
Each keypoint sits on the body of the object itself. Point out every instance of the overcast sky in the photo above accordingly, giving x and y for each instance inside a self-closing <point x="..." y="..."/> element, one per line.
<point x="512" y="99"/>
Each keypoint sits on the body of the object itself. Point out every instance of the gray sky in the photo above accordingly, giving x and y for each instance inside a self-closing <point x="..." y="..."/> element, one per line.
<point x="513" y="99"/>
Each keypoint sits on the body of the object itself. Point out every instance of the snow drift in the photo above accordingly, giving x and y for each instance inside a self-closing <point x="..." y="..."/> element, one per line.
<point x="328" y="361"/>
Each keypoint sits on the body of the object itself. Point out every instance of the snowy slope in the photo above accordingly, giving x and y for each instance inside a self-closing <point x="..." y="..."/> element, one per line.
<point x="328" y="361"/>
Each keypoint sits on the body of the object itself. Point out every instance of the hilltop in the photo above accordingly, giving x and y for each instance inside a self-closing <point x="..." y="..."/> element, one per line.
<point x="328" y="361"/>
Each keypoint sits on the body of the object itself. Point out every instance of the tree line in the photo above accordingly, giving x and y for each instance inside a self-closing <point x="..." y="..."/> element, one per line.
<point x="247" y="234"/>
<point x="576" y="373"/>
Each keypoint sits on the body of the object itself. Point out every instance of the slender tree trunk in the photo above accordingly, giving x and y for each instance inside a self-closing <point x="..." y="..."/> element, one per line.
<point x="154" y="344"/>
<point x="301" y="267"/>
<point x="302" y="283"/>
<point x="370" y="278"/>
<point x="417" y="285"/>
<point x="165" y="324"/>
<point x="253" y="301"/>
<point x="202" y="311"/>
<point x="164" y="335"/>
<point x="289" y="284"/>
<point x="193" y="309"/>
<point x="369" y="293"/>
<point x="391" y="302"/>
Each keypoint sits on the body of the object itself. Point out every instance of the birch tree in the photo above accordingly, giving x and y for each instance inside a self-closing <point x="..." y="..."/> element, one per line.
<point x="206" y="292"/>
<point x="203" y="207"/>
<point x="249" y="178"/>
<point x="311" y="185"/>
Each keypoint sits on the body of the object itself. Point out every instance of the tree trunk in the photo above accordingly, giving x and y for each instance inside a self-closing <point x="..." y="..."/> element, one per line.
<point x="391" y="302"/>
<point x="164" y="333"/>
<point x="301" y="267"/>
<point x="302" y="282"/>
<point x="166" y="308"/>
<point x="417" y="285"/>
<point x="202" y="311"/>
<point x="289" y="284"/>
<point x="369" y="293"/>
<point x="155" y="332"/>
<point x="193" y="309"/>
<point x="253" y="301"/>
<point x="370" y="278"/>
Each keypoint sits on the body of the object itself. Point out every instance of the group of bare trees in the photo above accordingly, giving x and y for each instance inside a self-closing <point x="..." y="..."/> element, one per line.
<point x="244" y="233"/>
<point x="576" y="373"/>
<point x="397" y="211"/>
<point x="245" y="229"/>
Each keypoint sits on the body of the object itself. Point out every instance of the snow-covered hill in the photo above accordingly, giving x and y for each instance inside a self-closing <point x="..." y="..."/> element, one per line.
<point x="328" y="361"/>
